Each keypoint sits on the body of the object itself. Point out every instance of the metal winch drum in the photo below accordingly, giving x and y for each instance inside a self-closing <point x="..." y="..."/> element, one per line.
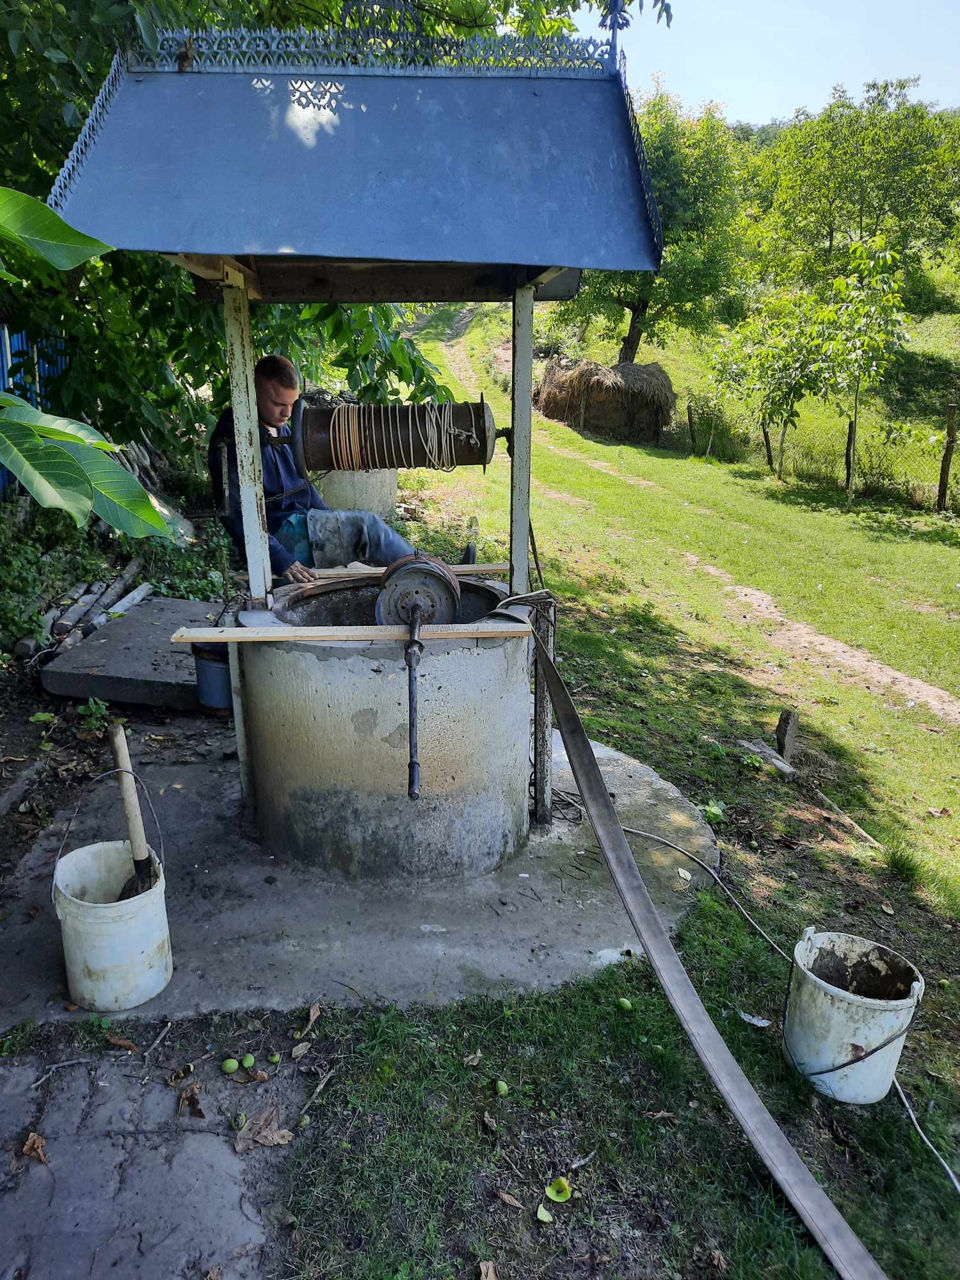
<point x="395" y="758"/>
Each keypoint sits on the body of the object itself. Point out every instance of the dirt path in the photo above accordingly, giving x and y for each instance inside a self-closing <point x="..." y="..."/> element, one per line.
<point x="797" y="638"/>
<point x="803" y="641"/>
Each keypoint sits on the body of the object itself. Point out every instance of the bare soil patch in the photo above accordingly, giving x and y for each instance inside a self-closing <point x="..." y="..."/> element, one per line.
<point x="804" y="641"/>
<point x="555" y="495"/>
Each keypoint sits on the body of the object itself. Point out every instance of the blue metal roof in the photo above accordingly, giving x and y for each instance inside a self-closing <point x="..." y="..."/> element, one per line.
<point x="332" y="147"/>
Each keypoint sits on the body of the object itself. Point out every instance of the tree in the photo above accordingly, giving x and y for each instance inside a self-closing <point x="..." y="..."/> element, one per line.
<point x="771" y="362"/>
<point x="62" y="463"/>
<point x="858" y="329"/>
<point x="885" y="165"/>
<point x="835" y="348"/>
<point x="692" y="164"/>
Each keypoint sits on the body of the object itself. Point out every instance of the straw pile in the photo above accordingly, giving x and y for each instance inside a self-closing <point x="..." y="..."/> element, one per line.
<point x="629" y="402"/>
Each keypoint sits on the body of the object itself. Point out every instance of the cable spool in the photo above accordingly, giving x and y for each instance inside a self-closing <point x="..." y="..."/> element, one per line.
<point x="375" y="437"/>
<point x="418" y="583"/>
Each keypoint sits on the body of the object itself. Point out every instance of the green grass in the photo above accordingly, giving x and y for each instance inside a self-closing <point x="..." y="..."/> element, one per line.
<point x="911" y="404"/>
<point x="649" y="637"/>
<point x="398" y="1176"/>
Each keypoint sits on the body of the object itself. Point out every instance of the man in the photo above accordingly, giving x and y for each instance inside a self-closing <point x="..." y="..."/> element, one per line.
<point x="296" y="537"/>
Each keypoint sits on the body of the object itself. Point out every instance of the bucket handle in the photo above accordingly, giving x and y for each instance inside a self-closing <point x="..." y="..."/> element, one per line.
<point x="109" y="773"/>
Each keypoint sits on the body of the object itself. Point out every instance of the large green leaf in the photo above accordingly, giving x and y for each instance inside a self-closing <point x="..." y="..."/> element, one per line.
<point x="118" y="497"/>
<point x="48" y="474"/>
<point x="54" y="428"/>
<point x="28" y="223"/>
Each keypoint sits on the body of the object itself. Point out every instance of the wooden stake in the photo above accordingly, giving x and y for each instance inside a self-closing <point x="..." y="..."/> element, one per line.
<point x="947" y="461"/>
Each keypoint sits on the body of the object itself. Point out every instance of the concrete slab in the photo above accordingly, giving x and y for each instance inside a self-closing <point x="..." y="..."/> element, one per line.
<point x="130" y="1187"/>
<point x="132" y="660"/>
<point x="250" y="931"/>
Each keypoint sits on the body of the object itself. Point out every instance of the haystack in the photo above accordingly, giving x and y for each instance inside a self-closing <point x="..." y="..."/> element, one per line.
<point x="628" y="402"/>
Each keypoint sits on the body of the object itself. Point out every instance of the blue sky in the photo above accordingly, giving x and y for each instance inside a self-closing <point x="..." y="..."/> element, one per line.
<point x="762" y="60"/>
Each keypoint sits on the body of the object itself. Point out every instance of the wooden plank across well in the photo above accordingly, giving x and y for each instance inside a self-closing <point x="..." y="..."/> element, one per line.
<point x="349" y="635"/>
<point x="374" y="571"/>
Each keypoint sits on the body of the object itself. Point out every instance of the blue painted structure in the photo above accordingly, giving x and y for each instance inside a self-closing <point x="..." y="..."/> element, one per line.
<point x="15" y="351"/>
<point x="361" y="164"/>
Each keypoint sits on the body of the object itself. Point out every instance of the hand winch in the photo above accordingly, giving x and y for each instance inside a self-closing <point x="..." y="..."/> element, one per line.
<point x="416" y="591"/>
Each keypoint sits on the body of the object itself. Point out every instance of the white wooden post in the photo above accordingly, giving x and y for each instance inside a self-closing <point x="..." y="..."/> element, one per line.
<point x="240" y="358"/>
<point x="521" y="406"/>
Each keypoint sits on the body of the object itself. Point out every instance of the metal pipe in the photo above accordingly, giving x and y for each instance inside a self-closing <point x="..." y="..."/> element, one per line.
<point x="412" y="653"/>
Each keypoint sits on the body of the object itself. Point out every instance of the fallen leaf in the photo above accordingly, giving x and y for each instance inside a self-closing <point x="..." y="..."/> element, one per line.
<point x="886" y="908"/>
<point x="559" y="1190"/>
<point x="754" y="1022"/>
<point x="313" y="1016"/>
<point x="119" y="1043"/>
<point x="71" y="1008"/>
<point x="684" y="874"/>
<point x="190" y="1097"/>
<point x="488" y="1271"/>
<point x="300" y="1049"/>
<point x="263" y="1129"/>
<point x="658" y="1115"/>
<point x="472" y="1059"/>
<point x="940" y="813"/>
<point x="718" y="1260"/>
<point x="181" y="1073"/>
<point x="259" y="1077"/>
<point x="544" y="1214"/>
<point x="507" y="1198"/>
<point x="214" y="1273"/>
<point x="34" y="1147"/>
<point x="489" y="1121"/>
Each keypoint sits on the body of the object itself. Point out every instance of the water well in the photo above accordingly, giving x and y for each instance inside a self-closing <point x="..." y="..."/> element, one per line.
<point x="327" y="726"/>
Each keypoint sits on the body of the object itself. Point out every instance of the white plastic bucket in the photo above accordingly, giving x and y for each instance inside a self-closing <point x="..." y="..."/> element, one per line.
<point x="117" y="953"/>
<point x="848" y="996"/>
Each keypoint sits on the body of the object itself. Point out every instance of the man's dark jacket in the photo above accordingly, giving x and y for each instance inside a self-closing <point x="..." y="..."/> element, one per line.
<point x="285" y="491"/>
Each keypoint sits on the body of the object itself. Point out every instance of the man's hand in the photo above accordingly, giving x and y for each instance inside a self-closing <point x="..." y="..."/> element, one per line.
<point x="299" y="573"/>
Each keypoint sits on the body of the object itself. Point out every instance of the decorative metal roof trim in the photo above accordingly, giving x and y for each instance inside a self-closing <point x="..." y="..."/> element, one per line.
<point x="371" y="47"/>
<point x="88" y="134"/>
<point x="649" y="199"/>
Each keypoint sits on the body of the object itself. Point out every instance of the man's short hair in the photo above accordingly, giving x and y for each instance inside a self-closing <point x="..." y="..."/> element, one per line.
<point x="277" y="369"/>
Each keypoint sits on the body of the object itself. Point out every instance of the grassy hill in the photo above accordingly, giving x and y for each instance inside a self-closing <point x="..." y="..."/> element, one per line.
<point x="901" y="433"/>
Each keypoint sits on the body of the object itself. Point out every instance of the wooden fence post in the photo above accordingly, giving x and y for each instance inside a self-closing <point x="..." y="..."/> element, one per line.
<point x="947" y="461"/>
<point x="693" y="434"/>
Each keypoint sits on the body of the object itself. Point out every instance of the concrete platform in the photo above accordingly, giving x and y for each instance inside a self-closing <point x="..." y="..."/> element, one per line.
<point x="130" y="1187"/>
<point x="250" y="932"/>
<point x="131" y="659"/>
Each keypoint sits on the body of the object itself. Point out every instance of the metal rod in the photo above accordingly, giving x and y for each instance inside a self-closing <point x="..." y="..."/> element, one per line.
<point x="544" y="624"/>
<point x="411" y="655"/>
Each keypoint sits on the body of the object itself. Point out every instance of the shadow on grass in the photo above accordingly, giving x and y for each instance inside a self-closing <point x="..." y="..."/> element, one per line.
<point x="918" y="385"/>
<point x="889" y="521"/>
<point x="643" y="686"/>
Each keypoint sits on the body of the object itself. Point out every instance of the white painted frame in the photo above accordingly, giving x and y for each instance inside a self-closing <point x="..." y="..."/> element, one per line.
<point x="521" y="422"/>
<point x="240" y="359"/>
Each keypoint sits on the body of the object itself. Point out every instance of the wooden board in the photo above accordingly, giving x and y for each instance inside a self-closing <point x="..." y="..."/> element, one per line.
<point x="373" y="571"/>
<point x="349" y="635"/>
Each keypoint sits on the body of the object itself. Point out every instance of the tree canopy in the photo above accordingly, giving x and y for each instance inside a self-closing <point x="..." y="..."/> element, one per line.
<point x="693" y="168"/>
<point x="885" y="165"/>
